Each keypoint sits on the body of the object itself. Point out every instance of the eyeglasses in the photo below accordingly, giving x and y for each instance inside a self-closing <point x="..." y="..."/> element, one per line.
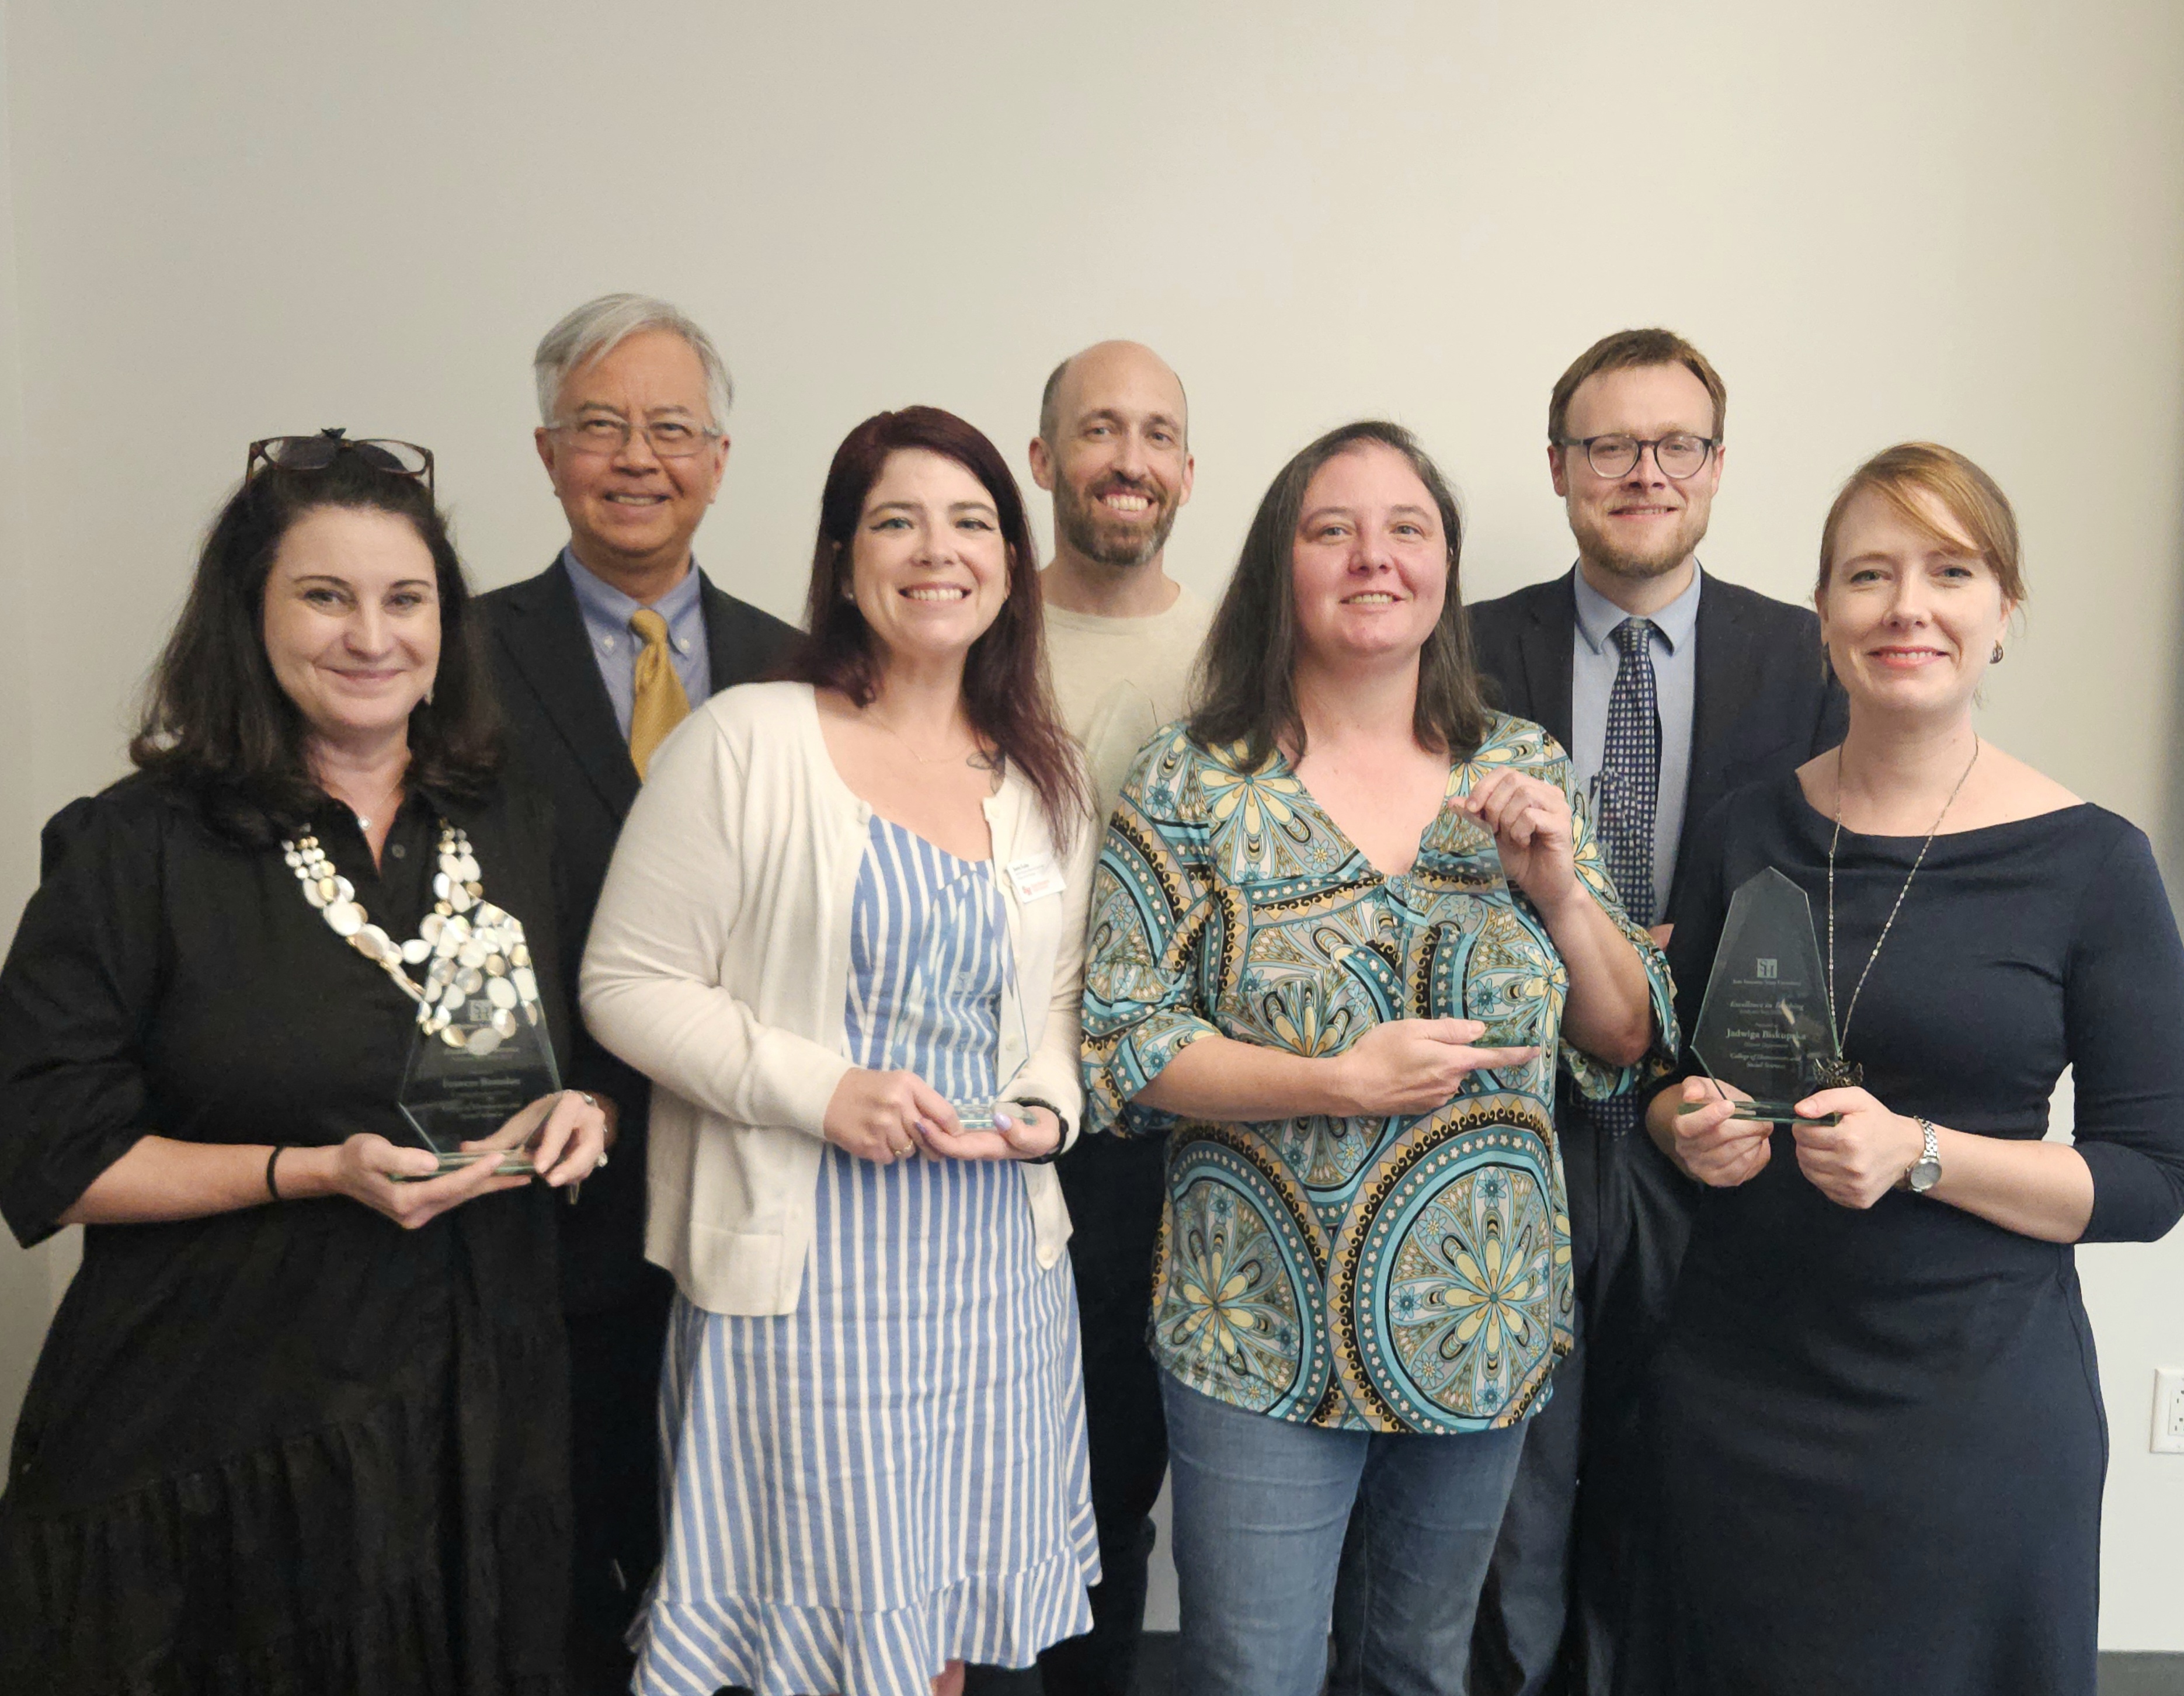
<point x="1679" y="456"/>
<point x="671" y="438"/>
<point x="316" y="453"/>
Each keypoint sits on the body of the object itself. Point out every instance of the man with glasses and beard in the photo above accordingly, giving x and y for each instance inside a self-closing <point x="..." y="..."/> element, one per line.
<point x="1113" y="449"/>
<point x="596" y="660"/>
<point x="1670" y="688"/>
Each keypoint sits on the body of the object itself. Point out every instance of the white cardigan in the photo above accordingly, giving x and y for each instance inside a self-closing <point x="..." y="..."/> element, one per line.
<point x="719" y="966"/>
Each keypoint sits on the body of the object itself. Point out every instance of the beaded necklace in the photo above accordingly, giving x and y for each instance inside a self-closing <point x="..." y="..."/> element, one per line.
<point x="476" y="949"/>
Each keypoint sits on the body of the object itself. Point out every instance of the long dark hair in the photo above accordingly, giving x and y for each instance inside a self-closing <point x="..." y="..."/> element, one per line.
<point x="1246" y="684"/>
<point x="1005" y="694"/>
<point x="216" y="720"/>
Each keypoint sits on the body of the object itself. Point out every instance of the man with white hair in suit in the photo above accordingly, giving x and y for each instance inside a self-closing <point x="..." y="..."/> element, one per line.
<point x="596" y="660"/>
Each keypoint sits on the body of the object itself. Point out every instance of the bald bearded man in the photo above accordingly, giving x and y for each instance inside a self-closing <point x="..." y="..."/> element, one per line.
<point x="1113" y="449"/>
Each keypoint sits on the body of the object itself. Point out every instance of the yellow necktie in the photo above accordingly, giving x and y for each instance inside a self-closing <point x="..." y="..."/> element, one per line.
<point x="659" y="705"/>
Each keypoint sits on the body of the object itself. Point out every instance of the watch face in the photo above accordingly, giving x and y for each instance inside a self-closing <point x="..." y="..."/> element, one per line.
<point x="1924" y="1175"/>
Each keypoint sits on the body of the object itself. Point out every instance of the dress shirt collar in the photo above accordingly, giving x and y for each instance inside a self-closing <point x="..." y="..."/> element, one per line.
<point x="1597" y="615"/>
<point x="607" y="609"/>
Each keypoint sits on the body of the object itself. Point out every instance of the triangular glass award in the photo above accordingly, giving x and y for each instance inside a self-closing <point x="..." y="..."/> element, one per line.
<point x="468" y="1077"/>
<point x="1764" y="1027"/>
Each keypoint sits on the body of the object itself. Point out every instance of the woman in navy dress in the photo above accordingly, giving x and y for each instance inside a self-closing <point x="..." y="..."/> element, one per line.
<point x="1881" y="1419"/>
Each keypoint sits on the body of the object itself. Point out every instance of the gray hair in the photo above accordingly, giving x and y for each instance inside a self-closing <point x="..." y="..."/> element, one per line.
<point x="596" y="327"/>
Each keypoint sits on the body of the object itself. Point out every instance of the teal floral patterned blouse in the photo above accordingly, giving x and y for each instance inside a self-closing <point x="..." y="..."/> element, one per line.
<point x="1407" y="1274"/>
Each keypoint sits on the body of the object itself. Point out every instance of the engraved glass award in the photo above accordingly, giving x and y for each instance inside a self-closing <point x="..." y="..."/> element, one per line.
<point x="467" y="1080"/>
<point x="1765" y="1026"/>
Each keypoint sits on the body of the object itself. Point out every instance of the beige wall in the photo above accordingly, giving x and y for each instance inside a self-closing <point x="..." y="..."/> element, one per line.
<point x="1960" y="221"/>
<point x="25" y="1288"/>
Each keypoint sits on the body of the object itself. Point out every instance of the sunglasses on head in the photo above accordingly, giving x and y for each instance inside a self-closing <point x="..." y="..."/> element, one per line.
<point x="316" y="453"/>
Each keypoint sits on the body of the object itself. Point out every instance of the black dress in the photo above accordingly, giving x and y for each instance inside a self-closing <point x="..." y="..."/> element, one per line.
<point x="1882" y="1435"/>
<point x="295" y="1448"/>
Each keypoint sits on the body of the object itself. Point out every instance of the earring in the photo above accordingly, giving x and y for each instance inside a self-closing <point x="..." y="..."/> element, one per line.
<point x="1995" y="659"/>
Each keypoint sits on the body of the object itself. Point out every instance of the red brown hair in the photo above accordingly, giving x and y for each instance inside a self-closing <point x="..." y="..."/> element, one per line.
<point x="1900" y="475"/>
<point x="1005" y="693"/>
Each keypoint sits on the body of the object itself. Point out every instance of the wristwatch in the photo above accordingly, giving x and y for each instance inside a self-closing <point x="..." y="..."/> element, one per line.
<point x="1926" y="1170"/>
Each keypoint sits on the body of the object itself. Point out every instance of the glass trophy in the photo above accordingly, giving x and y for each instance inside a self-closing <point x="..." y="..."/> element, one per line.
<point x="469" y="1078"/>
<point x="1765" y="1026"/>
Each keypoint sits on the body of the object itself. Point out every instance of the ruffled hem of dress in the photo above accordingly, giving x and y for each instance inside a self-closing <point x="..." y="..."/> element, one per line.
<point x="314" y="1565"/>
<point x="692" y="1646"/>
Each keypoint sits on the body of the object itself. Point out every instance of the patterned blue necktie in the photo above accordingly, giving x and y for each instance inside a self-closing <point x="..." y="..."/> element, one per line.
<point x="1630" y="783"/>
<point x="1630" y="771"/>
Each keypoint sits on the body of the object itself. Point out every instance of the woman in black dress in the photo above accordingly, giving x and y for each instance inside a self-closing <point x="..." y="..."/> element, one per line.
<point x="1881" y="1425"/>
<point x="298" y="1426"/>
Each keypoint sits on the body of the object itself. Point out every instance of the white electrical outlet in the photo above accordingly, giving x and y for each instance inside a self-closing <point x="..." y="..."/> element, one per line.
<point x="2168" y="1411"/>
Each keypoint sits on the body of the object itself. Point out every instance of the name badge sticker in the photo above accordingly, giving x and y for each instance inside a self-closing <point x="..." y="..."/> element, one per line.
<point x="1035" y="879"/>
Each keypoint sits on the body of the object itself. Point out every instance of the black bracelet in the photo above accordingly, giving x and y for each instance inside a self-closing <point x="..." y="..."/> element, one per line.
<point x="273" y="1189"/>
<point x="1053" y="1154"/>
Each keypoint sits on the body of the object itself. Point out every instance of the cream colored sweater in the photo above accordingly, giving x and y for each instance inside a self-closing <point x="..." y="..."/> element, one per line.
<point x="719" y="965"/>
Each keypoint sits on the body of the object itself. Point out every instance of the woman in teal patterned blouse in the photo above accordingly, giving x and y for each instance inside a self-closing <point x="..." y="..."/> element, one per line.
<point x="1346" y="925"/>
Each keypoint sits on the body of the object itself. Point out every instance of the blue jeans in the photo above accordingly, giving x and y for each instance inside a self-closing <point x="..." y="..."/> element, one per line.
<point x="1260" y="1509"/>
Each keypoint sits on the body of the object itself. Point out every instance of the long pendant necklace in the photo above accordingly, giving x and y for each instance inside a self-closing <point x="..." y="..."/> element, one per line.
<point x="1841" y="1072"/>
<point x="477" y="949"/>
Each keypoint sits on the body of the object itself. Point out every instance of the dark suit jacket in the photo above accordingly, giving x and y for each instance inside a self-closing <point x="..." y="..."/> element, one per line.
<point x="1760" y="706"/>
<point x="562" y="737"/>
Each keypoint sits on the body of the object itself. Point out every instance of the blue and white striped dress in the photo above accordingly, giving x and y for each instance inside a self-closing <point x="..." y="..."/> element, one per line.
<point x="893" y="1475"/>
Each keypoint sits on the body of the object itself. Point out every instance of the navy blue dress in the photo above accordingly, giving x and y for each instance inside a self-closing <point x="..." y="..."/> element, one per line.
<point x="1882" y="1435"/>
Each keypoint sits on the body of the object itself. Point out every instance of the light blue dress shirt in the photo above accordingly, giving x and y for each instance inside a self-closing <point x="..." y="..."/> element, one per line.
<point x="1675" y="677"/>
<point x="607" y="612"/>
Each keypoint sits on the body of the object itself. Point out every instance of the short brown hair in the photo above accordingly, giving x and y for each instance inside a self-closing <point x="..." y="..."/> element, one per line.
<point x="1968" y="494"/>
<point x="1626" y="350"/>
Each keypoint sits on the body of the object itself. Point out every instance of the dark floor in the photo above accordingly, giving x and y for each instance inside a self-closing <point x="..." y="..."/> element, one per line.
<point x="2121" y="1675"/>
<point x="1157" y="1668"/>
<point x="2142" y="1675"/>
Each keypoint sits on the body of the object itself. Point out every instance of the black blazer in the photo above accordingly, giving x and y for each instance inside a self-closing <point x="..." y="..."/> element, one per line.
<point x="1760" y="705"/>
<point x="562" y="737"/>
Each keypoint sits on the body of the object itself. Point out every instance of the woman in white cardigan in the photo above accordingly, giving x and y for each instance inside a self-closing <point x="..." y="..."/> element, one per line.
<point x="843" y="936"/>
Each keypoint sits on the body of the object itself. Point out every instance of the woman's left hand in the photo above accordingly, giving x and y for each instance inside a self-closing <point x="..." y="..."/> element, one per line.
<point x="1019" y="1133"/>
<point x="565" y="1141"/>
<point x="1533" y="832"/>
<point x="1857" y="1161"/>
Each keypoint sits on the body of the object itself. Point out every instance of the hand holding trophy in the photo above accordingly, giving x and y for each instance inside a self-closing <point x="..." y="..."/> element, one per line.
<point x="1766" y="1031"/>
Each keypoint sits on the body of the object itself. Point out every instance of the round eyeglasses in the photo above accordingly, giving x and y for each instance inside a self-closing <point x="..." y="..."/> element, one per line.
<point x="671" y="438"/>
<point x="1679" y="456"/>
<point x="316" y="453"/>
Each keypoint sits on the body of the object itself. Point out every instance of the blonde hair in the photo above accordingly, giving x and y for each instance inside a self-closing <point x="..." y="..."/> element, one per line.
<point x="1982" y="512"/>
